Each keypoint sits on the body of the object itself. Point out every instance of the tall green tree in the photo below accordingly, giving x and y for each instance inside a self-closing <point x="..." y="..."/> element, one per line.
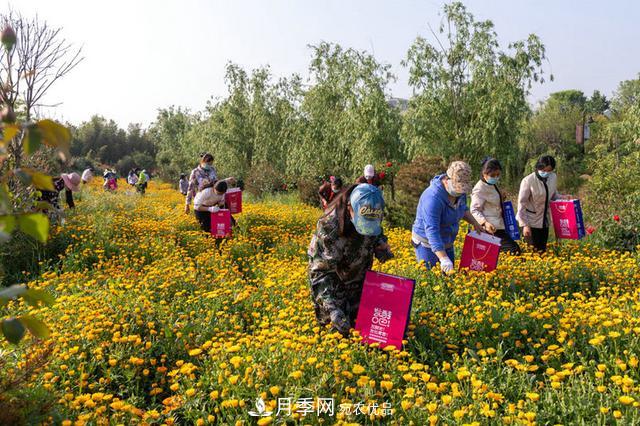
<point x="346" y="118"/>
<point x="469" y="94"/>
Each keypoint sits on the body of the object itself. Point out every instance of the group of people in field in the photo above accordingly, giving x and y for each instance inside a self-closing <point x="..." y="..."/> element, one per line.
<point x="349" y="234"/>
<point x="205" y="191"/>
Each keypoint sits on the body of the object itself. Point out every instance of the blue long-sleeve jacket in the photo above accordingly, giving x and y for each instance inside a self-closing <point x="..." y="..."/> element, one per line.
<point x="437" y="220"/>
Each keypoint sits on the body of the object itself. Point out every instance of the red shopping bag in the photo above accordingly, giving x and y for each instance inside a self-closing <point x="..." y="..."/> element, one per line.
<point x="567" y="219"/>
<point x="221" y="224"/>
<point x="233" y="200"/>
<point x="480" y="252"/>
<point x="384" y="309"/>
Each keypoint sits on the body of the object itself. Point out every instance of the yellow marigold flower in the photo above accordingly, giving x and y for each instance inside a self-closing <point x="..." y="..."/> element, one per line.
<point x="533" y="396"/>
<point x="195" y="352"/>
<point x="626" y="399"/>
<point x="358" y="369"/>
<point x="190" y="392"/>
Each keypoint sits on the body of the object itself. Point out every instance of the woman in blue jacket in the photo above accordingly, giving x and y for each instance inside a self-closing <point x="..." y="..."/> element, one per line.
<point x="441" y="207"/>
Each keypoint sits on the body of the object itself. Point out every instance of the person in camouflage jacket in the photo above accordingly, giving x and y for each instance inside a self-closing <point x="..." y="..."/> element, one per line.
<point x="342" y="250"/>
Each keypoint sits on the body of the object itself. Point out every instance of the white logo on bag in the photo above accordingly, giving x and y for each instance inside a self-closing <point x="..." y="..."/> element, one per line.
<point x="261" y="407"/>
<point x="387" y="286"/>
<point x="561" y="208"/>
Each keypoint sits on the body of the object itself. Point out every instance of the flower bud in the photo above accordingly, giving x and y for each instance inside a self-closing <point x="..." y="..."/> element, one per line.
<point x="8" y="38"/>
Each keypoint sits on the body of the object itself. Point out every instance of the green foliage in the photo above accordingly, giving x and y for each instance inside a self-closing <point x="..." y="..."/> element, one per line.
<point x="101" y="141"/>
<point x="18" y="208"/>
<point x="614" y="187"/>
<point x="411" y="180"/>
<point x="470" y="96"/>
<point x="627" y="95"/>
<point x="264" y="179"/>
<point x="346" y="119"/>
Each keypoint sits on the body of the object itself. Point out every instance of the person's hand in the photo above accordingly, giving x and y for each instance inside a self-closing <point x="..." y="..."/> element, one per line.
<point x="446" y="265"/>
<point x="478" y="228"/>
<point x="526" y="231"/>
<point x="214" y="209"/>
<point x="186" y="209"/>
<point x="489" y="228"/>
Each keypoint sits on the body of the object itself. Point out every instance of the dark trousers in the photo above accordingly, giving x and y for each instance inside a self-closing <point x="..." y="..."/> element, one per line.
<point x="507" y="244"/>
<point x="538" y="239"/>
<point x="204" y="218"/>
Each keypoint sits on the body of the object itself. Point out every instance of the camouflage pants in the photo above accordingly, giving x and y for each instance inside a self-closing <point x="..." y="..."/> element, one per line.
<point x="335" y="301"/>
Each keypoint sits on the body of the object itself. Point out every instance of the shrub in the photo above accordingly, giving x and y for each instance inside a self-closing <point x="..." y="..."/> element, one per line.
<point x="264" y="179"/>
<point x="612" y="202"/>
<point x="308" y="191"/>
<point x="410" y="181"/>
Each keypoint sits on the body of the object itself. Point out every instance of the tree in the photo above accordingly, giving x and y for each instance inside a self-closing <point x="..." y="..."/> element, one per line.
<point x="568" y="98"/>
<point x="469" y="96"/>
<point x="627" y="95"/>
<point x="597" y="104"/>
<point x="27" y="215"/>
<point x="346" y="121"/>
<point x="40" y="57"/>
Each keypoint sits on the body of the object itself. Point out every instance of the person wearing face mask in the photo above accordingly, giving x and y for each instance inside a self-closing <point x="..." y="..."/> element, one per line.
<point x="341" y="251"/>
<point x="536" y="191"/>
<point x="486" y="205"/>
<point x="441" y="207"/>
<point x="209" y="200"/>
<point x="204" y="172"/>
<point x="330" y="190"/>
<point x="370" y="176"/>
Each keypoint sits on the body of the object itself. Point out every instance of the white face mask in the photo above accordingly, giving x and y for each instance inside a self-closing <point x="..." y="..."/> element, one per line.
<point x="450" y="190"/>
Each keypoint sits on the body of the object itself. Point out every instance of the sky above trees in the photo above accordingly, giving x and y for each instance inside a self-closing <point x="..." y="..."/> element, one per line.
<point x="143" y="55"/>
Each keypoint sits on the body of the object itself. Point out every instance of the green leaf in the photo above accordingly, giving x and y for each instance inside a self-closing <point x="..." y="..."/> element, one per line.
<point x="23" y="175"/>
<point x="42" y="181"/>
<point x="7" y="224"/>
<point x="55" y="135"/>
<point x="33" y="297"/>
<point x="35" y="326"/>
<point x="9" y="132"/>
<point x="13" y="330"/>
<point x="36" y="225"/>
<point x="11" y="293"/>
<point x="32" y="139"/>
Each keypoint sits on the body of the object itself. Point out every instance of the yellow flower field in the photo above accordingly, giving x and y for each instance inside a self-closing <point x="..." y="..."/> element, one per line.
<point x="154" y="323"/>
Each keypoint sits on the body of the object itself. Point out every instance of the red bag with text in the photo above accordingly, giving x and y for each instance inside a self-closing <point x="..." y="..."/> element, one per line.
<point x="221" y="224"/>
<point x="567" y="219"/>
<point x="384" y="309"/>
<point x="480" y="252"/>
<point x="233" y="200"/>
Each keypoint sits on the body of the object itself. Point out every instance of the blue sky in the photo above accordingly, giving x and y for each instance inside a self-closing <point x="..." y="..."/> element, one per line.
<point x="141" y="55"/>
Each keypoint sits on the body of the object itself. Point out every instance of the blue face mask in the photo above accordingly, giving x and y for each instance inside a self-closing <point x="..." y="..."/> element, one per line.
<point x="206" y="166"/>
<point x="543" y="174"/>
<point x="492" y="180"/>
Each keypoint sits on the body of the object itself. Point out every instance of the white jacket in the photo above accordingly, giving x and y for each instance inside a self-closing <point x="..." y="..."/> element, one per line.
<point x="532" y="199"/>
<point x="208" y="198"/>
<point x="486" y="205"/>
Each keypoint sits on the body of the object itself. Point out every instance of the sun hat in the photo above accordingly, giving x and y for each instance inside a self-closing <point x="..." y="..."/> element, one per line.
<point x="460" y="175"/>
<point x="368" y="208"/>
<point x="72" y="181"/>
<point x="369" y="171"/>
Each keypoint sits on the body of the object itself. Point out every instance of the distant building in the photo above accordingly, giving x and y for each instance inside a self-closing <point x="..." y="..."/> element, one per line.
<point x="401" y="104"/>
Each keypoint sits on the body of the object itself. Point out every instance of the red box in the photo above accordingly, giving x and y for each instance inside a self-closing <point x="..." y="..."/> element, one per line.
<point x="567" y="219"/>
<point x="480" y="252"/>
<point x="221" y="224"/>
<point x="385" y="306"/>
<point x="233" y="200"/>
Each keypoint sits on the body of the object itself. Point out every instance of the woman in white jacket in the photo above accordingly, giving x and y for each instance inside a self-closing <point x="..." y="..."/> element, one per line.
<point x="537" y="190"/>
<point x="486" y="205"/>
